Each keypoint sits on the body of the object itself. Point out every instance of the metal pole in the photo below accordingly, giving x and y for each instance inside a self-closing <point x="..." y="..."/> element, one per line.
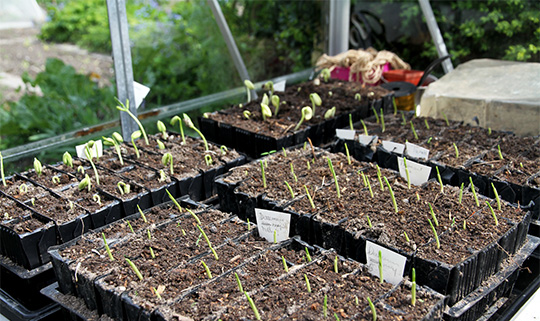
<point x="123" y="70"/>
<point x="229" y="40"/>
<point x="436" y="34"/>
<point x="339" y="20"/>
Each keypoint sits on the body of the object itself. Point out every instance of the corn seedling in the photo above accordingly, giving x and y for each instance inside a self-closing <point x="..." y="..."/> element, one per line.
<point x="394" y="105"/>
<point x="315" y="101"/>
<point x="336" y="316"/>
<point x="107" y="247"/>
<point x="285" y="266"/>
<point x="85" y="183"/>
<point x="125" y="108"/>
<point x="208" y="242"/>
<point x="391" y="194"/>
<point x="435" y="233"/>
<point x="240" y="287"/>
<point x="426" y="123"/>
<point x="445" y="118"/>
<point x="403" y="120"/>
<point x="290" y="189"/>
<point x="336" y="264"/>
<point x="414" y="130"/>
<point x="474" y="192"/>
<point x="376" y="114"/>
<point x="275" y="237"/>
<point x="493" y="213"/>
<point x="356" y="302"/>
<point x="335" y="176"/>
<point x="365" y="127"/>
<point x="369" y="187"/>
<point x="500" y="153"/>
<point x="307" y="114"/>
<point x="464" y="224"/>
<point x="439" y="178"/>
<point x="382" y="121"/>
<point x="253" y="307"/>
<point x="364" y="178"/>
<point x="379" y="176"/>
<point x="461" y="192"/>
<point x="351" y="127"/>
<point x="148" y="234"/>
<point x="406" y="237"/>
<point x="66" y="159"/>
<point x="413" y="288"/>
<point x="162" y="129"/>
<point x="189" y="124"/>
<point x="348" y="155"/>
<point x="308" y="165"/>
<point x="142" y="214"/>
<point x="89" y="156"/>
<point x="307" y="283"/>
<point x="330" y="113"/>
<point x="456" y="150"/>
<point x="325" y="306"/>
<point x="208" y="160"/>
<point x="433" y="215"/>
<point x="123" y="188"/>
<point x="262" y="174"/>
<point x="293" y="174"/>
<point x="429" y="139"/>
<point x="309" y="197"/>
<point x="156" y="292"/>
<point x="249" y="87"/>
<point x="407" y="172"/>
<point x="372" y="307"/>
<point x="496" y="197"/>
<point x="369" y="222"/>
<point x="130" y="227"/>
<point x="2" y="170"/>
<point x="208" y="273"/>
<point x="134" y="268"/>
<point x="177" y="119"/>
<point x="152" y="254"/>
<point x="246" y="114"/>
<point x="380" y="268"/>
<point x="275" y="102"/>
<point x="308" y="256"/>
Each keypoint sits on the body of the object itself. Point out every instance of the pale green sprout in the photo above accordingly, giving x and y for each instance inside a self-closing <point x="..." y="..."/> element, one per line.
<point x="382" y="121"/>
<point x="426" y="123"/>
<point x="246" y="114"/>
<point x="496" y="197"/>
<point x="351" y="122"/>
<point x="107" y="247"/>
<point x="433" y="215"/>
<point x="162" y="129"/>
<point x="348" y="155"/>
<point x="265" y="111"/>
<point x="263" y="174"/>
<point x="67" y="159"/>
<point x="2" y="170"/>
<point x="372" y="307"/>
<point x="336" y="264"/>
<point x="429" y="139"/>
<point x="334" y="175"/>
<point x="125" y="108"/>
<point x="189" y="123"/>
<point x="308" y="256"/>
<point x="407" y="172"/>
<point x="269" y="85"/>
<point x="404" y="121"/>
<point x="177" y="119"/>
<point x="85" y="183"/>
<point x="500" y="153"/>
<point x="445" y="118"/>
<point x="156" y="292"/>
<point x="208" y="273"/>
<point x="162" y="176"/>
<point x="315" y="101"/>
<point x="395" y="106"/>
<point x="464" y="224"/>
<point x="96" y="198"/>
<point x="89" y="156"/>
<point x="152" y="254"/>
<point x="167" y="159"/>
<point x="307" y="283"/>
<point x="249" y="87"/>
<point x="115" y="141"/>
<point x="309" y="197"/>
<point x="307" y="114"/>
<point x="413" y="288"/>
<point x="456" y="150"/>
<point x="240" y="287"/>
<point x="284" y="151"/>
<point x="135" y="135"/>
<point x="336" y="316"/>
<point x="253" y="307"/>
<point x="461" y="192"/>
<point x="358" y="97"/>
<point x="391" y="194"/>
<point x="380" y="268"/>
<point x="224" y="150"/>
<point x="275" y="102"/>
<point x="325" y="74"/>
<point x="249" y="225"/>
<point x="208" y="159"/>
<point x="275" y="236"/>
<point x="435" y="233"/>
<point x="365" y="127"/>
<point x="265" y="100"/>
<point x="376" y="114"/>
<point x="285" y="267"/>
<point x="474" y="192"/>
<point x="308" y="165"/>
<point x="160" y="144"/>
<point x="134" y="268"/>
<point x="439" y="178"/>
<point x="293" y="174"/>
<point x="208" y="242"/>
<point x="142" y="214"/>
<point x="330" y="113"/>
<point x="379" y="177"/>
<point x="493" y="213"/>
<point x="130" y="227"/>
<point x="406" y="237"/>
<point x="325" y="306"/>
<point x="369" y="221"/>
<point x="38" y="167"/>
<point x="123" y="188"/>
<point x="414" y="130"/>
<point x="80" y="169"/>
<point x="290" y="189"/>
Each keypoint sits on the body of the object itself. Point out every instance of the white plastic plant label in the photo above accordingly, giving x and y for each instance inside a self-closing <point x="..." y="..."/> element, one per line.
<point x="346" y="134"/>
<point x="393" y="147"/>
<point x="272" y="223"/>
<point x="416" y="151"/>
<point x="418" y="173"/>
<point x="280" y="85"/>
<point x="366" y="139"/>
<point x="140" y="92"/>
<point x="393" y="264"/>
<point x="96" y="150"/>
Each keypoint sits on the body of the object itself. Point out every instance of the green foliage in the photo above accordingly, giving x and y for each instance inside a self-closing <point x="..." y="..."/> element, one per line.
<point x="70" y="101"/>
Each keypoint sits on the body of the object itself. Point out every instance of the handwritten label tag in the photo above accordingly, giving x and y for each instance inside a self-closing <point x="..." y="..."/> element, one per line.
<point x="345" y="134"/>
<point x="140" y="91"/>
<point x="418" y="173"/>
<point x="393" y="147"/>
<point x="416" y="151"/>
<point x="366" y="139"/>
<point x="96" y="150"/>
<point x="270" y="222"/>
<point x="393" y="264"/>
<point x="280" y="85"/>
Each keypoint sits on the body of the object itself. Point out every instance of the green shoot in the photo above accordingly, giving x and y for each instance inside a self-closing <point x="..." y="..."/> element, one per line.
<point x="350" y="122"/>
<point x="189" y="123"/>
<point x="493" y="213"/>
<point x="325" y="74"/>
<point x="439" y="179"/>
<point x="193" y="215"/>
<point x="246" y="114"/>
<point x="500" y="153"/>
<point x="474" y="192"/>
<point x="125" y="108"/>
<point x="379" y="176"/>
<point x="85" y="183"/>
<point x="293" y="174"/>
<point x="435" y="233"/>
<point x="413" y="288"/>
<point x="285" y="267"/>
<point x="369" y="222"/>
<point x="394" y="105"/>
<point x="433" y="215"/>
<point x="356" y="300"/>
<point x="284" y="151"/>
<point x="335" y="176"/>
<point x="380" y="268"/>
<point x="365" y="127"/>
<point x="265" y="111"/>
<point x="135" y="135"/>
<point x="307" y="114"/>
<point x="358" y="97"/>
<point x="208" y="273"/>
<point x="130" y="227"/>
<point x="369" y="187"/>
<point x="464" y="224"/>
<point x="348" y="155"/>
<point x="152" y="254"/>
<point x="461" y="192"/>
<point x="290" y="189"/>
<point x="406" y="237"/>
<point x="325" y="306"/>
<point x="309" y="197"/>
<point x="426" y="123"/>
<point x="391" y="194"/>
<point x="307" y="283"/>
<point x="336" y="316"/>
<point x="89" y="155"/>
<point x="160" y="144"/>
<point x="489" y="130"/>
<point x="262" y="173"/>
<point x="224" y="150"/>
<point x="208" y="242"/>
<point x="107" y="247"/>
<point x="2" y="169"/>
<point x="253" y="307"/>
<point x="275" y="237"/>
<point x="372" y="307"/>
<point x="134" y="268"/>
<point x="249" y="225"/>
<point x="240" y="287"/>
<point x="336" y="264"/>
<point x="330" y="113"/>
<point x="148" y="234"/>
<point x="315" y="101"/>
<point x="38" y="167"/>
<point x="376" y="114"/>
<point x="269" y="85"/>
<point x="265" y="100"/>
<point x="382" y="121"/>
<point x="167" y="159"/>
<point x="364" y="178"/>
<point x="80" y="169"/>
<point x="308" y="256"/>
<point x="404" y="121"/>
<point x="407" y="172"/>
<point x="66" y="159"/>
<point x="445" y="118"/>
<point x="162" y="129"/>
<point x="456" y="149"/>
<point x="177" y="119"/>
<point x="142" y="214"/>
<point x="208" y="159"/>
<point x="123" y="188"/>
<point x="249" y="87"/>
<point x="414" y="131"/>
<point x="275" y="102"/>
<point x="156" y="293"/>
<point x="496" y="197"/>
<point x="308" y="165"/>
<point x="429" y="139"/>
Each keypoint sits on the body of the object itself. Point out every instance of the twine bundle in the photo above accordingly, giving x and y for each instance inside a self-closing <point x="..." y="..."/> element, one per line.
<point x="368" y="63"/>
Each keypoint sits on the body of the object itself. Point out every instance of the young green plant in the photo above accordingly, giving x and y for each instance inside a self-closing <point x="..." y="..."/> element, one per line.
<point x="90" y="156"/>
<point x="413" y="288"/>
<point x="189" y="124"/>
<point x="407" y="172"/>
<point x="266" y="112"/>
<point x="365" y="127"/>
<point x="433" y="215"/>
<point x="177" y="119"/>
<point x="308" y="285"/>
<point x="208" y="273"/>
<point x="315" y="101"/>
<point x="391" y="194"/>
<point x="208" y="242"/>
<point x="136" y="135"/>
<point x="167" y="159"/>
<point x="335" y="176"/>
<point x="493" y="213"/>
<point x="249" y="87"/>
<point x="253" y="307"/>
<point x="107" y="247"/>
<point x="115" y="140"/>
<point x="162" y="129"/>
<point x="275" y="102"/>
<point x="134" y="268"/>
<point x="474" y="192"/>
<point x="240" y="287"/>
<point x="125" y="108"/>
<point x="2" y="170"/>
<point x="380" y="268"/>
<point x="351" y="126"/>
<point x="330" y="113"/>
<point x="435" y="233"/>
<point x="38" y="167"/>
<point x="263" y="174"/>
<point x="123" y="188"/>
<point x="348" y="155"/>
<point x="309" y="197"/>
<point x="372" y="307"/>
<point x="67" y="159"/>
<point x="496" y="197"/>
<point x="439" y="178"/>
<point x="290" y="189"/>
<point x="307" y="114"/>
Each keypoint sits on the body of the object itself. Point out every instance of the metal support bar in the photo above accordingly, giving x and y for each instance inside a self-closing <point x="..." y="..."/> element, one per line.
<point x="436" y="34"/>
<point x="229" y="40"/>
<point x="338" y="30"/>
<point x="123" y="70"/>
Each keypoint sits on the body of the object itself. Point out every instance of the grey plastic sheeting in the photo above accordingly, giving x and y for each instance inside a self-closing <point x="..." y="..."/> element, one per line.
<point x="502" y="95"/>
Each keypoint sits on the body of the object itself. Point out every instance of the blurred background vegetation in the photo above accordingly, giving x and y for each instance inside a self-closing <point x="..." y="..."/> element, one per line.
<point x="178" y="51"/>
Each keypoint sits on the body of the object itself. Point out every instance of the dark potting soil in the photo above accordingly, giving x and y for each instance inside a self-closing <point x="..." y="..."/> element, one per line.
<point x="24" y="224"/>
<point x="57" y="209"/>
<point x="9" y="210"/>
<point x="85" y="198"/>
<point x="520" y="171"/>
<point x="27" y="191"/>
<point x="46" y="178"/>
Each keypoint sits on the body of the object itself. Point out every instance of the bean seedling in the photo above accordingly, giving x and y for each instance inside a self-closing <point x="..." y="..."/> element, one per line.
<point x="90" y="156"/>
<point x="325" y="74"/>
<point x="85" y="183"/>
<point x="162" y="129"/>
<point x="379" y="176"/>
<point x="2" y="170"/>
<point x="135" y="135"/>
<point x="123" y="188"/>
<point x="456" y="149"/>
<point x="364" y="125"/>
<point x="66" y="159"/>
<point x="407" y="172"/>
<point x="115" y="141"/>
<point x="309" y="197"/>
<point x="176" y="119"/>
<point x="308" y="256"/>
<point x="240" y="287"/>
<point x="376" y="115"/>
<point x="369" y="222"/>
<point x="439" y="179"/>
<point x="246" y="114"/>
<point x="461" y="192"/>
<point x="348" y="155"/>
<point x="433" y="215"/>
<point x="189" y="124"/>
<point x="315" y="101"/>
<point x="125" y="108"/>
<point x="499" y="151"/>
<point x="167" y="159"/>
<point x="307" y="114"/>
<point x="330" y="113"/>
<point x="38" y="167"/>
<point x="351" y="122"/>
<point x="249" y="87"/>
<point x="275" y="102"/>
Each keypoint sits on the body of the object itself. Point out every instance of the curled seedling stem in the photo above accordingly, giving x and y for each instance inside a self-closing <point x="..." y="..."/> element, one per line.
<point x="176" y="119"/>
<point x="307" y="283"/>
<point x="307" y="114"/>
<point x="285" y="267"/>
<point x="275" y="102"/>
<point x="308" y="256"/>
<point x="379" y="177"/>
<point x="55" y="180"/>
<point x="208" y="242"/>
<point x="493" y="213"/>
<point x="107" y="247"/>
<point x="134" y="268"/>
<point x="330" y="113"/>
<point x="461" y="192"/>
<point x="246" y="114"/>
<point x="433" y="215"/>
<point x="315" y="101"/>
<point x="474" y="192"/>
<point x="348" y="155"/>
<point x="457" y="150"/>
<point x="85" y="183"/>
<point x="123" y="188"/>
<point x="253" y="307"/>
<point x="290" y="189"/>
<point x="382" y="121"/>
<point x="208" y="273"/>
<point x="309" y="197"/>
<point x="414" y="130"/>
<point x="435" y="233"/>
<point x="263" y="174"/>
<point x="66" y="159"/>
<point x="189" y="123"/>
<point x="407" y="172"/>
<point x="334" y="175"/>
<point x="80" y="169"/>
<point x="135" y="135"/>
<point x="125" y="108"/>
<point x="167" y="159"/>
<point x="496" y="197"/>
<point x="357" y="96"/>
<point x="89" y="156"/>
<point x="240" y="287"/>
<point x="413" y="288"/>
<point x="224" y="150"/>
<point x="162" y="129"/>
<point x="97" y="198"/>
<point x="380" y="268"/>
<point x="208" y="159"/>
<point x="376" y="114"/>
<point x="325" y="74"/>
<point x="372" y="307"/>
<point x="391" y="194"/>
<point x="249" y="87"/>
<point x="439" y="178"/>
